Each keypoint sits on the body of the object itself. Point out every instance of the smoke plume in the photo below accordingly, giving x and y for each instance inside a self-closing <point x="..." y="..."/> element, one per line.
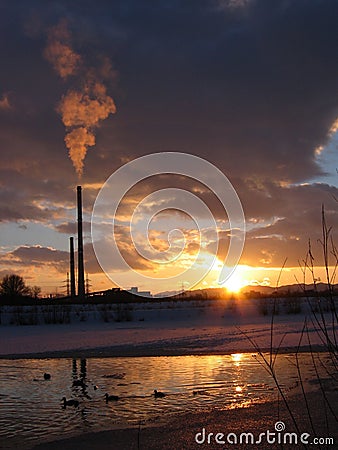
<point x="81" y="110"/>
<point x="77" y="141"/>
<point x="86" y="108"/>
<point x="4" y="102"/>
<point x="81" y="113"/>
<point x="59" y="52"/>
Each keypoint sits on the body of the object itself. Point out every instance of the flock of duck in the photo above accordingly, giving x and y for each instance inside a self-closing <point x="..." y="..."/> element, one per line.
<point x="80" y="383"/>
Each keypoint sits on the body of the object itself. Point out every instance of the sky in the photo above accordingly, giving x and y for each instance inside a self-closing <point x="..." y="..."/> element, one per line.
<point x="250" y="86"/>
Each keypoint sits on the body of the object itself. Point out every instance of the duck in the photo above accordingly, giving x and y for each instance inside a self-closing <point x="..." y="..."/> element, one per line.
<point x="70" y="402"/>
<point x="111" y="398"/>
<point x="47" y="376"/>
<point x="158" y="394"/>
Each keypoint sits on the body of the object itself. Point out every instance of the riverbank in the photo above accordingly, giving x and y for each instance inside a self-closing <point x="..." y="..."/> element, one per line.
<point x="180" y="431"/>
<point x="149" y="351"/>
<point x="211" y="329"/>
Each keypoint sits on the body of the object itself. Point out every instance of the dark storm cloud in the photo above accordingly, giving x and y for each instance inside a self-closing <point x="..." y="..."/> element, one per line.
<point x="264" y="201"/>
<point x="36" y="256"/>
<point x="255" y="93"/>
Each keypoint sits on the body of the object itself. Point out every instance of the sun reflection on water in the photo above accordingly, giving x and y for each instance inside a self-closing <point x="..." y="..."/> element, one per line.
<point x="237" y="357"/>
<point x="31" y="409"/>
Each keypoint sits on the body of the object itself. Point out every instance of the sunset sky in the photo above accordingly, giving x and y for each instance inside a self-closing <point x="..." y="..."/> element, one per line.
<point x="250" y="86"/>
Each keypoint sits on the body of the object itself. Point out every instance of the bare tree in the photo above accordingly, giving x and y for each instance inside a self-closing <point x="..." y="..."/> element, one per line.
<point x="13" y="286"/>
<point x="34" y="291"/>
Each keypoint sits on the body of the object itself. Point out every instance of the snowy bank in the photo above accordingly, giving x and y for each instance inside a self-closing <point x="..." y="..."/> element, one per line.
<point x="163" y="328"/>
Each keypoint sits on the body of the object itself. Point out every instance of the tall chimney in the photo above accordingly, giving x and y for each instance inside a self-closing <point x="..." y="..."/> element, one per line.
<point x="72" y="268"/>
<point x="80" y="267"/>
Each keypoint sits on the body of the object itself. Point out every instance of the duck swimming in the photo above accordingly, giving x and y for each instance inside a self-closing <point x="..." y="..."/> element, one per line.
<point x="111" y="398"/>
<point x="158" y="394"/>
<point x="70" y="402"/>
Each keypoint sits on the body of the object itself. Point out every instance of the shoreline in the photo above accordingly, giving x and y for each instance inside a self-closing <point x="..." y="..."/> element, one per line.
<point x="179" y="430"/>
<point x="165" y="332"/>
<point x="149" y="351"/>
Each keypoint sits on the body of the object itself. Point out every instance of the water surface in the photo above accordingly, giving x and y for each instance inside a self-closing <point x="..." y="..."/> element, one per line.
<point x="31" y="408"/>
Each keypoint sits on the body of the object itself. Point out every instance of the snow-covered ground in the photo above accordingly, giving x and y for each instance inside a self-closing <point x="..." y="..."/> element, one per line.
<point x="159" y="328"/>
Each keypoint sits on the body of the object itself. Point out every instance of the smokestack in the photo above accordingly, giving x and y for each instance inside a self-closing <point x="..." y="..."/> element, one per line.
<point x="80" y="267"/>
<point x="72" y="268"/>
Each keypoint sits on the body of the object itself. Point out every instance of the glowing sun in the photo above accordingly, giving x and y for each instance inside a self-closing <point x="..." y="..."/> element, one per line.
<point x="235" y="282"/>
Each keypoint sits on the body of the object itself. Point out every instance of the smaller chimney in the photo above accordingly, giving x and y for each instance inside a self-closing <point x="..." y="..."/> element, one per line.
<point x="72" y="268"/>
